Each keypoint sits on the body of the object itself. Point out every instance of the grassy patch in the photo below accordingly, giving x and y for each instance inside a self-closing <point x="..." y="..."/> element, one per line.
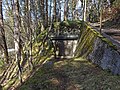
<point x="77" y="74"/>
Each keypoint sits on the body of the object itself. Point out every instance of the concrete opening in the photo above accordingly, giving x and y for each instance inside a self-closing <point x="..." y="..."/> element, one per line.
<point x="65" y="45"/>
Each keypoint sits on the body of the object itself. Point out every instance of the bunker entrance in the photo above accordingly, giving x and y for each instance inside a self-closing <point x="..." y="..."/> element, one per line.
<point x="64" y="46"/>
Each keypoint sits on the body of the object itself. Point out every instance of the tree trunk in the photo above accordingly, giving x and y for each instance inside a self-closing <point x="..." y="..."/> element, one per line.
<point x="54" y="13"/>
<point x="66" y="10"/>
<point x="2" y="35"/>
<point x="42" y="12"/>
<point x="30" y="29"/>
<point x="46" y="16"/>
<point x="59" y="16"/>
<point x="101" y="16"/>
<point x="73" y="7"/>
<point x="50" y="8"/>
<point x="17" y="36"/>
<point x="84" y="9"/>
<point x="74" y="2"/>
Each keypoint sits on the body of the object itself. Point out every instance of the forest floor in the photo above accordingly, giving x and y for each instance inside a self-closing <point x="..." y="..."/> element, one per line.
<point x="71" y="74"/>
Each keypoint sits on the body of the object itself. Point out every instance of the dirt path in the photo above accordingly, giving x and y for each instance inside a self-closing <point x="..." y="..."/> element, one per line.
<point x="77" y="74"/>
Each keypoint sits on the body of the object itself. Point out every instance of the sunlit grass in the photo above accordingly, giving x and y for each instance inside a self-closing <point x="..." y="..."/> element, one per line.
<point x="72" y="74"/>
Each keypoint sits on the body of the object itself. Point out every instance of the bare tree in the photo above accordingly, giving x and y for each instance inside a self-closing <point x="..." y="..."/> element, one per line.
<point x="17" y="36"/>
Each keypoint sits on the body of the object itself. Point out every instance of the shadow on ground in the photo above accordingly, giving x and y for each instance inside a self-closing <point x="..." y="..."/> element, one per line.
<point x="71" y="74"/>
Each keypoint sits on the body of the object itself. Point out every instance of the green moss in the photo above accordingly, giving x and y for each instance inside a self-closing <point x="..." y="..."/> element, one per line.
<point x="71" y="24"/>
<point x="9" y="84"/>
<point x="86" y="41"/>
<point x="85" y="31"/>
<point x="109" y="43"/>
<point x="56" y="24"/>
<point x="88" y="35"/>
<point x="78" y="73"/>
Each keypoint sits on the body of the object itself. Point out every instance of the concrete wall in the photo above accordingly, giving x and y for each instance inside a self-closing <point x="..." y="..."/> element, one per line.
<point x="105" y="56"/>
<point x="99" y="49"/>
<point x="66" y="48"/>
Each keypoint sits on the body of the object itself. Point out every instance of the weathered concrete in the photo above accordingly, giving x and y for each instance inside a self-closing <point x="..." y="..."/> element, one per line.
<point x="99" y="50"/>
<point x="105" y="56"/>
<point x="66" y="48"/>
